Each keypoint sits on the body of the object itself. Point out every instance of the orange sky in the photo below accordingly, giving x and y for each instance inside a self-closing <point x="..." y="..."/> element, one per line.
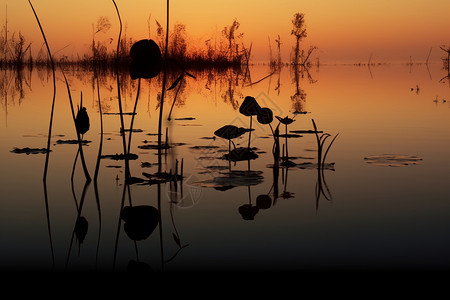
<point x="344" y="31"/>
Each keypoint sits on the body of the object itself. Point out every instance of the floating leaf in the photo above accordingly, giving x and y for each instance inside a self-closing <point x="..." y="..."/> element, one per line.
<point x="230" y="132"/>
<point x="306" y="131"/>
<point x="187" y="118"/>
<point x="392" y="160"/>
<point x="28" y="150"/>
<point x="84" y="142"/>
<point x="228" y="180"/>
<point x="240" y="154"/>
<point x="129" y="156"/>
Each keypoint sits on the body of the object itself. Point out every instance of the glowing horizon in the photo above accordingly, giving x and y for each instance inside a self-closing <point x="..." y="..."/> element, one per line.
<point x="350" y="32"/>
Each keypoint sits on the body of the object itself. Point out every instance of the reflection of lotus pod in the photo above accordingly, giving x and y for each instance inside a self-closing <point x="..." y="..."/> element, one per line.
<point x="140" y="221"/>
<point x="230" y="132"/>
<point x="146" y="59"/>
<point x="265" y="115"/>
<point x="82" y="121"/>
<point x="249" y="107"/>
<point x="248" y="211"/>
<point x="263" y="201"/>
<point x="81" y="228"/>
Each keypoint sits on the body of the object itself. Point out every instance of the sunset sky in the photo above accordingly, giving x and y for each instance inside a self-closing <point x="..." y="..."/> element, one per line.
<point x="343" y="31"/>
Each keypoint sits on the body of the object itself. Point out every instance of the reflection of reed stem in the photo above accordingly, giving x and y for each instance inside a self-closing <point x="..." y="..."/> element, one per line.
<point x="48" y="223"/>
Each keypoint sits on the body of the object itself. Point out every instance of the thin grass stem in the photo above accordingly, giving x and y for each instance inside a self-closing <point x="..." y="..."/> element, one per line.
<point x="54" y="93"/>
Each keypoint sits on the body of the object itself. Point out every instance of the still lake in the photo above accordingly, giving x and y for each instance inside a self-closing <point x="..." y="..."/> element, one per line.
<point x="381" y="202"/>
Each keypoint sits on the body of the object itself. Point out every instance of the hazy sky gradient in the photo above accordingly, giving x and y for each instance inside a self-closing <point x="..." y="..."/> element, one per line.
<point x="344" y="31"/>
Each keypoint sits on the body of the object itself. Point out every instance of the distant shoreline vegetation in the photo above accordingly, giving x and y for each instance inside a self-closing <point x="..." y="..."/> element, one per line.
<point x="227" y="50"/>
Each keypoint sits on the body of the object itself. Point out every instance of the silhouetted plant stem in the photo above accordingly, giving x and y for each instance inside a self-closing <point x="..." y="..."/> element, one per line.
<point x="250" y="132"/>
<point x="161" y="246"/>
<point x="287" y="155"/>
<point x="97" y="201"/>
<point x="49" y="133"/>
<point x="80" y="142"/>
<point x="134" y="113"/>
<point x="163" y="89"/>
<point x="174" y="100"/>
<point x="127" y="168"/>
<point x="101" y="132"/>
<point x="116" y="243"/>
<point x="54" y="92"/>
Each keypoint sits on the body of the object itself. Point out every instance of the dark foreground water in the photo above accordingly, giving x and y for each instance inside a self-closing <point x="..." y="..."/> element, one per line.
<point x="381" y="201"/>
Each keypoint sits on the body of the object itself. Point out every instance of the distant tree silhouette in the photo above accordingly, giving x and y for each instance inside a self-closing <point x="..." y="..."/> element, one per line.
<point x="446" y="62"/>
<point x="299" y="31"/>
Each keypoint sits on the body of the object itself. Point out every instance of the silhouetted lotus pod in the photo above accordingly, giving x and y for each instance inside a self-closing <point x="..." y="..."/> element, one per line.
<point x="248" y="211"/>
<point x="82" y="121"/>
<point x="81" y="228"/>
<point x="249" y="107"/>
<point x="140" y="221"/>
<point x="146" y="59"/>
<point x="263" y="201"/>
<point x="286" y="120"/>
<point x="265" y="115"/>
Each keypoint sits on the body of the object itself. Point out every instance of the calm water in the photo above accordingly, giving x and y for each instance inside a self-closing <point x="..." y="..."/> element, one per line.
<point x="365" y="215"/>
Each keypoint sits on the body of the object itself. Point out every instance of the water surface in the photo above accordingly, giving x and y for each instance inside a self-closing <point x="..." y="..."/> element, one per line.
<point x="366" y="214"/>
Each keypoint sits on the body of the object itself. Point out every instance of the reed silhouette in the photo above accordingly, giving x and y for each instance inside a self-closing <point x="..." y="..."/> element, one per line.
<point x="81" y="122"/>
<point x="54" y="90"/>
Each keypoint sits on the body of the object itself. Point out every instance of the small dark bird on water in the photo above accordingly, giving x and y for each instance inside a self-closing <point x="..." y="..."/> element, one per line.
<point x="82" y="121"/>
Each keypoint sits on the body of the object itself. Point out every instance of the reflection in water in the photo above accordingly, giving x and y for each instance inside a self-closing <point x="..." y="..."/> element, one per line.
<point x="265" y="190"/>
<point x="139" y="221"/>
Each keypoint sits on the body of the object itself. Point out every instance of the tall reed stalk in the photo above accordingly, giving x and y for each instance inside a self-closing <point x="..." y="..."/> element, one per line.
<point x="127" y="168"/>
<point x="80" y="142"/>
<point x="97" y="166"/>
<point x="54" y="93"/>
<point x="163" y="90"/>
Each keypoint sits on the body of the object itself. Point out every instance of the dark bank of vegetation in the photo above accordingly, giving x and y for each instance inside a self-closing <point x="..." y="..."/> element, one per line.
<point x="228" y="50"/>
<point x="225" y="50"/>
